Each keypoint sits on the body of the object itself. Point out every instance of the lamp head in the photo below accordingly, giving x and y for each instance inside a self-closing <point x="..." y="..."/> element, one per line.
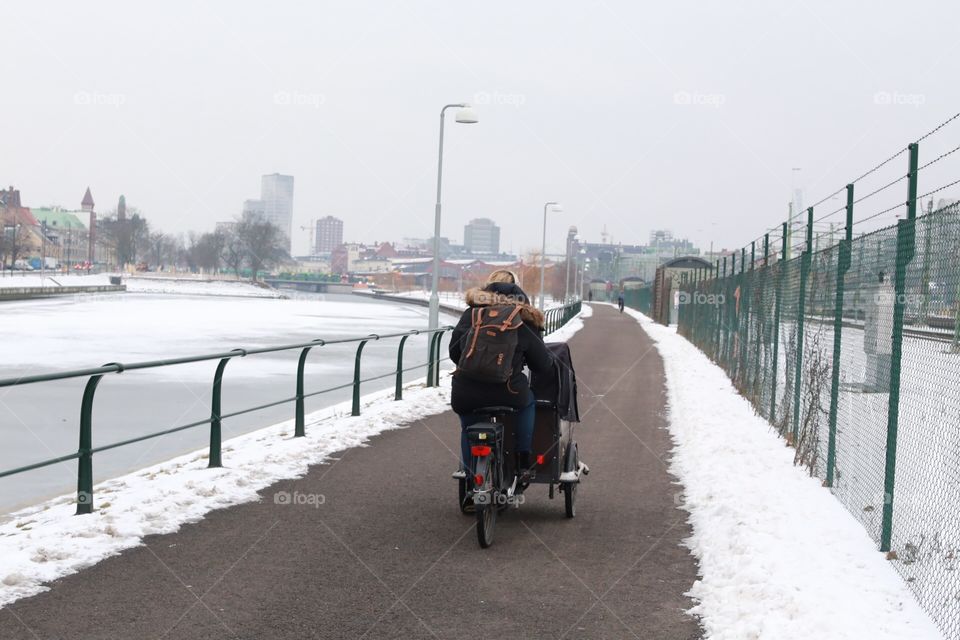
<point x="466" y="115"/>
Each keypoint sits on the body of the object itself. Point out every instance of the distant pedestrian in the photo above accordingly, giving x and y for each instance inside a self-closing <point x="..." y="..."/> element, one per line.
<point x="590" y="295"/>
<point x="620" y="301"/>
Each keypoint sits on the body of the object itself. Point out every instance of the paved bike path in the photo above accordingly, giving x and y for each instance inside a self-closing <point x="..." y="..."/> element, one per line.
<point x="388" y="554"/>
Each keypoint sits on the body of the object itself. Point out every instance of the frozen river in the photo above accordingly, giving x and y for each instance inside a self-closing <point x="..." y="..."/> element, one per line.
<point x="40" y="421"/>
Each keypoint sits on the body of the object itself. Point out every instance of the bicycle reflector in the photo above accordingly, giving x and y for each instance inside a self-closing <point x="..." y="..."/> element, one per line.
<point x="540" y="459"/>
<point x="480" y="450"/>
<point x="477" y="480"/>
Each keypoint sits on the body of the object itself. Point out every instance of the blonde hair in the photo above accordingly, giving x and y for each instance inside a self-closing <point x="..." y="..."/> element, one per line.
<point x="502" y="275"/>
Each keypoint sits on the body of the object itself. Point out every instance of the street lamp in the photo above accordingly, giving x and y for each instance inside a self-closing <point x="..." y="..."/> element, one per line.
<point x="543" y="249"/>
<point x="465" y="115"/>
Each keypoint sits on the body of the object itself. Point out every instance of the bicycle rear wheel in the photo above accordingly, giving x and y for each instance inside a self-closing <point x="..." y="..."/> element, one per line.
<point x="486" y="509"/>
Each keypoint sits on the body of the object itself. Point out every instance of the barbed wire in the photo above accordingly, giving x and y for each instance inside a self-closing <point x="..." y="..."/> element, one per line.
<point x="938" y="158"/>
<point x="799" y="213"/>
<point x="879" y="213"/>
<point x="930" y="193"/>
<point x="938" y="127"/>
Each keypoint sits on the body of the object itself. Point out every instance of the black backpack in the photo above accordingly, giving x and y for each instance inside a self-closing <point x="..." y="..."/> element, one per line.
<point x="491" y="343"/>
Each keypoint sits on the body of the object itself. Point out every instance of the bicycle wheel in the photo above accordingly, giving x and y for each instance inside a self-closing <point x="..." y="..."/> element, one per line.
<point x="570" y="488"/>
<point x="487" y="510"/>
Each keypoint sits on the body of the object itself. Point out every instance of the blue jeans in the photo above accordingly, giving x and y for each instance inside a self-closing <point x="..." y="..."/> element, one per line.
<point x="525" y="419"/>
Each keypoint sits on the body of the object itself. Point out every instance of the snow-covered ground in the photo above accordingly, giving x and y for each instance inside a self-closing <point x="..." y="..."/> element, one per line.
<point x="779" y="556"/>
<point x="47" y="541"/>
<point x="145" y="284"/>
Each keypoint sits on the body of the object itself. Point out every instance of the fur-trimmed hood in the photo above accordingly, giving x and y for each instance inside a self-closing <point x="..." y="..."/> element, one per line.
<point x="478" y="297"/>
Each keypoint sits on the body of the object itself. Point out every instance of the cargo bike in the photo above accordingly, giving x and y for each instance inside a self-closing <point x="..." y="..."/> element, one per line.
<point x="494" y="481"/>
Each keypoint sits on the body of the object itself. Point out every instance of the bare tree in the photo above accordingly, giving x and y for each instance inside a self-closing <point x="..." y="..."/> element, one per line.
<point x="233" y="252"/>
<point x="206" y="250"/>
<point x="264" y="242"/>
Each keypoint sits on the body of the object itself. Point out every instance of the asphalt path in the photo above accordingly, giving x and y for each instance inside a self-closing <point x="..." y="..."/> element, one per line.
<point x="388" y="555"/>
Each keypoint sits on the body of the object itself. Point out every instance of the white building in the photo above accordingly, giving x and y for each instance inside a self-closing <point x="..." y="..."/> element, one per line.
<point x="276" y="196"/>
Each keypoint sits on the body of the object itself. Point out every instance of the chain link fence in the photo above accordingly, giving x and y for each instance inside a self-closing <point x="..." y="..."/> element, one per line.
<point x="850" y="348"/>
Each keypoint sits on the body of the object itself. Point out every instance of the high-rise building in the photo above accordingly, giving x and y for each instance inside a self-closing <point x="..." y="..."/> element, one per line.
<point x="276" y="194"/>
<point x="254" y="207"/>
<point x="481" y="235"/>
<point x="329" y="234"/>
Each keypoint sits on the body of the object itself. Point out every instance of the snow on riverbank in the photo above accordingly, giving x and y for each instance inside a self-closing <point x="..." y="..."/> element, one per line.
<point x="779" y="556"/>
<point x="48" y="541"/>
<point x="146" y="284"/>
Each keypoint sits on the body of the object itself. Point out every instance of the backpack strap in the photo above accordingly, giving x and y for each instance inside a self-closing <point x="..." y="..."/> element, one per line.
<point x="476" y="321"/>
<point x="507" y="323"/>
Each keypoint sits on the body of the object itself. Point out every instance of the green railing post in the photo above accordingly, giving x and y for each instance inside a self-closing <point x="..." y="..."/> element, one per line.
<point x="433" y="352"/>
<point x="776" y="322"/>
<point x="215" y="412"/>
<point x="436" y="366"/>
<point x="801" y="316"/>
<point x="299" y="429"/>
<point x="398" y="393"/>
<point x="355" y="411"/>
<point x="85" y="461"/>
<point x="906" y="247"/>
<point x="843" y="265"/>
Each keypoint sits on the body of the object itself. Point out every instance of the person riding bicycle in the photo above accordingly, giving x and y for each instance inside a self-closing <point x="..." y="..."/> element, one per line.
<point x="470" y="393"/>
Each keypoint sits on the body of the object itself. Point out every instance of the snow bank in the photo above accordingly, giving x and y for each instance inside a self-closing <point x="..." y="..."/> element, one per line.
<point x="780" y="557"/>
<point x="48" y="541"/>
<point x="35" y="279"/>
<point x="146" y="284"/>
<point x="566" y="332"/>
<point x="199" y="287"/>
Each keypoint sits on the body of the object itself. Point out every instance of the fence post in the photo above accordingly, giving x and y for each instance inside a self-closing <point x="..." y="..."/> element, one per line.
<point x="436" y="367"/>
<point x="906" y="247"/>
<point x="355" y="410"/>
<point x="299" y="429"/>
<point x="776" y="323"/>
<point x="721" y="311"/>
<point x="798" y="372"/>
<point x="215" y="420"/>
<point x="85" y="461"/>
<point x="760" y="324"/>
<point x="843" y="265"/>
<point x="398" y="392"/>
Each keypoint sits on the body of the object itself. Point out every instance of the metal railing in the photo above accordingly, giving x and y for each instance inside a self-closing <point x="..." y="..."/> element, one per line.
<point x="86" y="450"/>
<point x="556" y="318"/>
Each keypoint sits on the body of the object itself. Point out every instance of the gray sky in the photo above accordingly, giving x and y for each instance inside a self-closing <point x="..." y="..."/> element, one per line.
<point x="634" y="115"/>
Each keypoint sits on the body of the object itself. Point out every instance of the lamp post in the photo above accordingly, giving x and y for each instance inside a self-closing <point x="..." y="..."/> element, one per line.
<point x="465" y="115"/>
<point x="543" y="249"/>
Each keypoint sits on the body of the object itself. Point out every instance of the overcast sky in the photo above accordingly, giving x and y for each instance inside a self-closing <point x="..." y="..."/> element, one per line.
<point x="635" y="115"/>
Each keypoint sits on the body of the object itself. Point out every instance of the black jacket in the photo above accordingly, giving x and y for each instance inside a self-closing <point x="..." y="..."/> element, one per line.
<point x="469" y="395"/>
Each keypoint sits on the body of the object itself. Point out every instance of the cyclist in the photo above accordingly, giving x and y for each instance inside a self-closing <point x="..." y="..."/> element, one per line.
<point x="470" y="394"/>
